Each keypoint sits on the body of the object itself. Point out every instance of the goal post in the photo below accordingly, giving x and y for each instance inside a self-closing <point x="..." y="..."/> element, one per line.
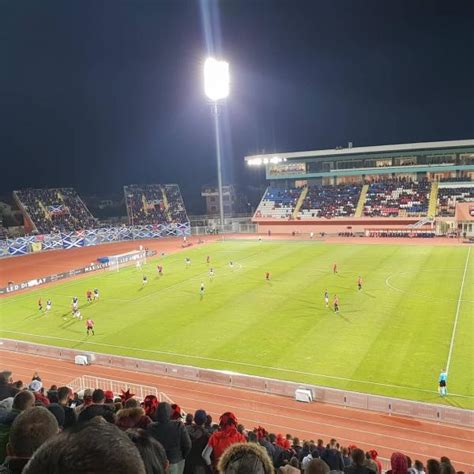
<point x="128" y="259"/>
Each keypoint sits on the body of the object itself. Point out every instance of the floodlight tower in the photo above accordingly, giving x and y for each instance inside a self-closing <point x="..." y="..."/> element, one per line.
<point x="216" y="87"/>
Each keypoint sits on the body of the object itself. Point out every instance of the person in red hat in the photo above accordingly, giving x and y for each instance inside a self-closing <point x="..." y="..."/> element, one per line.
<point x="220" y="440"/>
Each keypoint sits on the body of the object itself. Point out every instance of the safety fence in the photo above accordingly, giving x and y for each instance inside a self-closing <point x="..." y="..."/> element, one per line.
<point x="345" y="398"/>
<point x="90" y="237"/>
<point x="139" y="391"/>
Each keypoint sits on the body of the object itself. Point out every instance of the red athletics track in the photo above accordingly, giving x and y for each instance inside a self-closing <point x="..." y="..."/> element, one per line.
<point x="416" y="438"/>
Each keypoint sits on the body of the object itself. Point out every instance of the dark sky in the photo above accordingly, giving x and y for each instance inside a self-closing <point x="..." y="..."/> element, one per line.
<point x="100" y="93"/>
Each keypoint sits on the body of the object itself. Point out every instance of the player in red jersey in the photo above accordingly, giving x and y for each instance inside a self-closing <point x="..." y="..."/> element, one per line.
<point x="335" y="303"/>
<point x="90" y="326"/>
<point x="267" y="276"/>
<point x="334" y="268"/>
<point x="359" y="283"/>
<point x="89" y="296"/>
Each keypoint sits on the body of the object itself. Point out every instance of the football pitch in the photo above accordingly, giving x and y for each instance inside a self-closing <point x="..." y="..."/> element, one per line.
<point x="412" y="318"/>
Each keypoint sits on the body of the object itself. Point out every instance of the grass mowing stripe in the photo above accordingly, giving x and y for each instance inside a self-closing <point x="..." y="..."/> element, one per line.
<point x="453" y="335"/>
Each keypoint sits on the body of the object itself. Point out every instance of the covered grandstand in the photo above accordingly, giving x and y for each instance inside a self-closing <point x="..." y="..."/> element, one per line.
<point x="364" y="188"/>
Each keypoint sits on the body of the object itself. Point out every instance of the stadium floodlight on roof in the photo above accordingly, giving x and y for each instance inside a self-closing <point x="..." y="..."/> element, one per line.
<point x="216" y="79"/>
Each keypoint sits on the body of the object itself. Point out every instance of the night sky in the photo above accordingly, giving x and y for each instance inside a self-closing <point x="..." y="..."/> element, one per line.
<point x="96" y="94"/>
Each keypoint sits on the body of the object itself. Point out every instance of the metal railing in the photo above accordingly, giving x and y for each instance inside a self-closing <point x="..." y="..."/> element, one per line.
<point x="116" y="386"/>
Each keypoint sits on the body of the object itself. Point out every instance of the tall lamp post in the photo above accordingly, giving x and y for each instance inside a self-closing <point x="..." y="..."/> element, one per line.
<point x="216" y="87"/>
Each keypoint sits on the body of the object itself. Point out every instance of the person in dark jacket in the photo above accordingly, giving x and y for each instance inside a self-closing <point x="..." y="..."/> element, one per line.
<point x="333" y="457"/>
<point x="21" y="402"/>
<point x="98" y="408"/>
<point x="31" y="428"/>
<point x="195" y="464"/>
<point x="6" y="388"/>
<point x="358" y="463"/>
<point x="64" y="394"/>
<point x="173" y="436"/>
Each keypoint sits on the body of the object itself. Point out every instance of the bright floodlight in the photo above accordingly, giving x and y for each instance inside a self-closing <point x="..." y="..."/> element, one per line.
<point x="216" y="79"/>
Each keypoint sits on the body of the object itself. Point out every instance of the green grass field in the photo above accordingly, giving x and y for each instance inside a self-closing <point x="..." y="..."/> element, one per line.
<point x="392" y="338"/>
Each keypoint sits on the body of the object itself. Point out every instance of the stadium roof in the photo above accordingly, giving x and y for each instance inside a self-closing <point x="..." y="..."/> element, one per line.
<point x="367" y="149"/>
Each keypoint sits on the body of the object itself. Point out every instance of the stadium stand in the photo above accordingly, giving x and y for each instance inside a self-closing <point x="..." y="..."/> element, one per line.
<point x="278" y="203"/>
<point x="397" y="198"/>
<point x="55" y="210"/>
<point x="449" y="196"/>
<point x="155" y="204"/>
<point x="161" y="436"/>
<point x="330" y="201"/>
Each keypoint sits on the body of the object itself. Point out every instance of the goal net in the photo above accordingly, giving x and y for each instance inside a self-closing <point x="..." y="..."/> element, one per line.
<point x="134" y="258"/>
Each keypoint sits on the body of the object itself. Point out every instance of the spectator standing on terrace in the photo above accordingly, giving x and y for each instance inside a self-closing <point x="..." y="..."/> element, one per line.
<point x="358" y="463"/>
<point x="36" y="387"/>
<point x="317" y="466"/>
<point x="222" y="439"/>
<point x="195" y="464"/>
<point x="93" y="448"/>
<point x="332" y="457"/>
<point x="173" y="436"/>
<point x="314" y="454"/>
<point x="31" y="428"/>
<point x="293" y="467"/>
<point x="150" y="404"/>
<point x="374" y="456"/>
<point x="6" y="387"/>
<point x="64" y="394"/>
<point x="433" y="466"/>
<point x="21" y="402"/>
<point x="398" y="464"/>
<point x="132" y="416"/>
<point x="245" y="458"/>
<point x="151" y="451"/>
<point x="97" y="408"/>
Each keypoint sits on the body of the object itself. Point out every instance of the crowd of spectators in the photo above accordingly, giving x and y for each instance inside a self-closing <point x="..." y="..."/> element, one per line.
<point x="278" y="202"/>
<point x="330" y="201"/>
<point x="448" y="197"/>
<point x="395" y="197"/>
<point x="155" y="204"/>
<point x="56" y="210"/>
<point x="55" y="431"/>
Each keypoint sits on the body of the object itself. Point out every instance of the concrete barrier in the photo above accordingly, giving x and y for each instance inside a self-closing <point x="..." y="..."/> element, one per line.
<point x="346" y="398"/>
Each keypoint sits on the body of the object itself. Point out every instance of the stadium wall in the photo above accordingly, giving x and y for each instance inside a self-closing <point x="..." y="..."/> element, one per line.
<point x="390" y="406"/>
<point x="91" y="237"/>
<point x="331" y="226"/>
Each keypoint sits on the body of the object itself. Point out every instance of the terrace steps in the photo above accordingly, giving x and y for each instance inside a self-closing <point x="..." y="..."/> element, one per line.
<point x="361" y="203"/>
<point x="433" y="199"/>
<point x="300" y="201"/>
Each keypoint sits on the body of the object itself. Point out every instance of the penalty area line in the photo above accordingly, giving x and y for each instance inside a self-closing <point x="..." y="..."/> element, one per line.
<point x="242" y="364"/>
<point x="458" y="307"/>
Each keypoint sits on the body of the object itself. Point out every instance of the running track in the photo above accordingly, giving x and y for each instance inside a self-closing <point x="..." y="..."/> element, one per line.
<point x="416" y="438"/>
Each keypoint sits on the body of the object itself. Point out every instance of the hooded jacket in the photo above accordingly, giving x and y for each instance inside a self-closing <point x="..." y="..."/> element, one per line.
<point x="132" y="418"/>
<point x="171" y="434"/>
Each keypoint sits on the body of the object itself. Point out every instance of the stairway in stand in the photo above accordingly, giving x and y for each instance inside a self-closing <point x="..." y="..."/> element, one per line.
<point x="300" y="201"/>
<point x="360" y="205"/>
<point x="433" y="199"/>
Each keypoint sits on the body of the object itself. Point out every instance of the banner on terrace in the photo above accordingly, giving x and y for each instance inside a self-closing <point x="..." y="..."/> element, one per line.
<point x="73" y="239"/>
<point x="86" y="238"/>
